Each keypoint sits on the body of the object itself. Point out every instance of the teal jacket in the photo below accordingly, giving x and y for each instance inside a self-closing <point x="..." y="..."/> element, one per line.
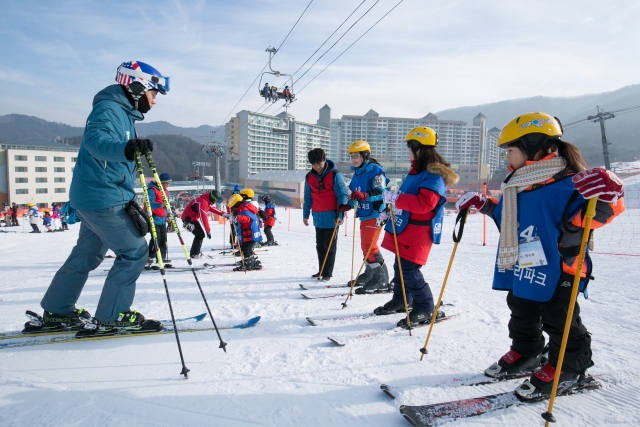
<point x="103" y="177"/>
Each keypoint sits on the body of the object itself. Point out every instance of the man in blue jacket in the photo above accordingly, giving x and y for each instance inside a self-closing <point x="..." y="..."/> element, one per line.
<point x="325" y="193"/>
<point x="101" y="187"/>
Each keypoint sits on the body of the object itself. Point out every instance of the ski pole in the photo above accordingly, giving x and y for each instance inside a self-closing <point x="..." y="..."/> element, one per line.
<point x="404" y="294"/>
<point x="589" y="214"/>
<point x="154" y="236"/>
<point x="235" y="228"/>
<point x="174" y="223"/>
<point x="462" y="216"/>
<point x="353" y="245"/>
<point x="353" y="281"/>
<point x="338" y="221"/>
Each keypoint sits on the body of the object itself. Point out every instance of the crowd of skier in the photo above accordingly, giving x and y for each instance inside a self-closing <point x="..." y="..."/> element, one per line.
<point x="50" y="219"/>
<point x="541" y="212"/>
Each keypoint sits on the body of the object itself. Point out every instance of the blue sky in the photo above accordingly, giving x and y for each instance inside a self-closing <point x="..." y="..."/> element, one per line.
<point x="424" y="56"/>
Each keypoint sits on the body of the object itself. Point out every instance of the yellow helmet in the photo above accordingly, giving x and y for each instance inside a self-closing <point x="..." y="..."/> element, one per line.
<point x="247" y="192"/>
<point x="423" y="135"/>
<point x="528" y="123"/>
<point x="30" y="205"/>
<point x="359" y="146"/>
<point x="535" y="130"/>
<point x="234" y="200"/>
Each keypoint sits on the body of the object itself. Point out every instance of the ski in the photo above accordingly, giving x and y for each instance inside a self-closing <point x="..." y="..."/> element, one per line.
<point x="316" y="322"/>
<point x="124" y="334"/>
<point x="429" y="415"/>
<point x="341" y="343"/>
<point x="344" y="295"/>
<point x="322" y="287"/>
<point x="472" y="381"/>
<point x="220" y="265"/>
<point x="66" y="331"/>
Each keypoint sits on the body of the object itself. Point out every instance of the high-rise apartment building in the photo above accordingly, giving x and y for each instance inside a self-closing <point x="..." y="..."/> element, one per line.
<point x="277" y="142"/>
<point x="458" y="142"/>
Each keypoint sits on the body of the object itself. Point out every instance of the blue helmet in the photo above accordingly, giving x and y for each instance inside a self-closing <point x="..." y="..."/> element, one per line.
<point x="165" y="177"/>
<point x="236" y="189"/>
<point x="138" y="77"/>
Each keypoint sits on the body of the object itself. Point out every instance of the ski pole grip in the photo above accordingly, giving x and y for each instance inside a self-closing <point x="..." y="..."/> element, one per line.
<point x="460" y="219"/>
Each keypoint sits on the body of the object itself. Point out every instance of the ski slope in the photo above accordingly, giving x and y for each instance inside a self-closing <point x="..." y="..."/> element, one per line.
<point x="284" y="372"/>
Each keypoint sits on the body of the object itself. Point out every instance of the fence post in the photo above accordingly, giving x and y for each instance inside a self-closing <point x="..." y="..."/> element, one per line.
<point x="289" y="225"/>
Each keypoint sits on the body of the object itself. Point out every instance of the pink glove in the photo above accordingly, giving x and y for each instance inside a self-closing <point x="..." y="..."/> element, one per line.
<point x="471" y="200"/>
<point x="359" y="196"/>
<point x="600" y="183"/>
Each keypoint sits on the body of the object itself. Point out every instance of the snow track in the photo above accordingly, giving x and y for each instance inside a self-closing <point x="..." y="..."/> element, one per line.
<point x="284" y="372"/>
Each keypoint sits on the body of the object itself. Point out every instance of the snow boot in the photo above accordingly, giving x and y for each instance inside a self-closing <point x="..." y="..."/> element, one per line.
<point x="419" y="317"/>
<point x="391" y="307"/>
<point x="513" y="364"/>
<point x="366" y="275"/>
<point x="540" y="385"/>
<point x="250" y="263"/>
<point x="379" y="281"/>
<point x="50" y="322"/>
<point x="130" y="321"/>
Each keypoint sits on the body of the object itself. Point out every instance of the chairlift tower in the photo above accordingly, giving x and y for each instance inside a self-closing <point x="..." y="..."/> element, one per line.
<point x="601" y="117"/>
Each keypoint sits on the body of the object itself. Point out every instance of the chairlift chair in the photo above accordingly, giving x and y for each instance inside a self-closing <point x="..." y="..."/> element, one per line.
<point x="279" y="95"/>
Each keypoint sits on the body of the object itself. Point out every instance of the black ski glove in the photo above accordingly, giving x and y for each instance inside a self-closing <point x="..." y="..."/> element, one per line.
<point x="208" y="235"/>
<point x="189" y="226"/>
<point x="143" y="145"/>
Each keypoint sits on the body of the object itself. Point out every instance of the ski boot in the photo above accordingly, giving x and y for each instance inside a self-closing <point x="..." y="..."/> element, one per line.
<point x="250" y="263"/>
<point x="513" y="364"/>
<point x="379" y="281"/>
<point x="419" y="317"/>
<point x="271" y="243"/>
<point x="51" y="322"/>
<point x="391" y="307"/>
<point x="540" y="385"/>
<point x="128" y="322"/>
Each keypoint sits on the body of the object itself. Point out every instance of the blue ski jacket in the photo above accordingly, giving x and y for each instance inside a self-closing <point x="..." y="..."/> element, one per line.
<point x="103" y="177"/>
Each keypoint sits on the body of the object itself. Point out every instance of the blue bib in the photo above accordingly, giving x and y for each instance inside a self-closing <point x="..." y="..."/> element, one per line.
<point x="412" y="185"/>
<point x="540" y="215"/>
<point x="270" y="205"/>
<point x="255" y="227"/>
<point x="362" y="181"/>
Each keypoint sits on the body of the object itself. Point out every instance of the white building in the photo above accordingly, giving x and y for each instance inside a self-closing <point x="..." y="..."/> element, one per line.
<point x="458" y="142"/>
<point x="36" y="171"/>
<point x="277" y="142"/>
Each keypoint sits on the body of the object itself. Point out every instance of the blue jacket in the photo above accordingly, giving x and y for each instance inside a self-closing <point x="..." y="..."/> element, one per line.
<point x="325" y="219"/>
<point x="368" y="178"/>
<point x="103" y="177"/>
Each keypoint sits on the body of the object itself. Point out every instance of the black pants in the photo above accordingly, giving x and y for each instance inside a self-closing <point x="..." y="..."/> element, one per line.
<point x="161" y="233"/>
<point x="416" y="289"/>
<point x="323" y="242"/>
<point x="247" y="248"/>
<point x="268" y="233"/>
<point x="529" y="319"/>
<point x="198" y="234"/>
<point x="35" y="228"/>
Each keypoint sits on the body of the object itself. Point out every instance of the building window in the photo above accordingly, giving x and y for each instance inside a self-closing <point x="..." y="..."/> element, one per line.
<point x="22" y="180"/>
<point x="58" y="169"/>
<point x="41" y="158"/>
<point x="58" y="159"/>
<point x="58" y="179"/>
<point x="22" y="191"/>
<point x="41" y="169"/>
<point x="61" y="190"/>
<point x="42" y="205"/>
<point x="74" y="159"/>
<point x="20" y="158"/>
<point x="41" y="191"/>
<point x="21" y="169"/>
<point x="40" y="180"/>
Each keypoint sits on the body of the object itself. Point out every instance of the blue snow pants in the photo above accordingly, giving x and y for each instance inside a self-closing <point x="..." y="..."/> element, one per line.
<point x="416" y="288"/>
<point x="110" y="228"/>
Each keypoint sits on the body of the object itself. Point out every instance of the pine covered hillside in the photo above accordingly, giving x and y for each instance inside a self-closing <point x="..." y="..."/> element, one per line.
<point x="15" y="127"/>
<point x="171" y="153"/>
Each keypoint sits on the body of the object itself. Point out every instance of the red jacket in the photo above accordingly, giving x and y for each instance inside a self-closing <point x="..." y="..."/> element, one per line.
<point x="269" y="214"/>
<point x="203" y="207"/>
<point x="245" y="221"/>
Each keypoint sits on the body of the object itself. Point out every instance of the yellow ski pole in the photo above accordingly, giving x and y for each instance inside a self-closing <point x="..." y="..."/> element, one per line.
<point x="589" y="214"/>
<point x="353" y="281"/>
<point x="404" y="294"/>
<point x="353" y="242"/>
<point x="462" y="215"/>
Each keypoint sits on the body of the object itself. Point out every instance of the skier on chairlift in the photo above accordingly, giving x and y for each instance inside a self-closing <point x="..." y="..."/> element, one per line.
<point x="266" y="93"/>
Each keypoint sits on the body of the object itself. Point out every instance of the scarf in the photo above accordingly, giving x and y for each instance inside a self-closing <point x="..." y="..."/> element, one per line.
<point x="519" y="181"/>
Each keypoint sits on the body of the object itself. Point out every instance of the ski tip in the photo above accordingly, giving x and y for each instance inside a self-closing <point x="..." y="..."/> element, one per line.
<point x="411" y="420"/>
<point x="199" y="317"/>
<point x="336" y="342"/>
<point x="310" y="320"/>
<point x="385" y="389"/>
<point x="306" y="297"/>
<point x="302" y="287"/>
<point x="249" y="323"/>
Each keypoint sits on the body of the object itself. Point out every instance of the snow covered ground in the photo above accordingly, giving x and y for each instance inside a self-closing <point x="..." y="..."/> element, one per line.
<point x="284" y="372"/>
